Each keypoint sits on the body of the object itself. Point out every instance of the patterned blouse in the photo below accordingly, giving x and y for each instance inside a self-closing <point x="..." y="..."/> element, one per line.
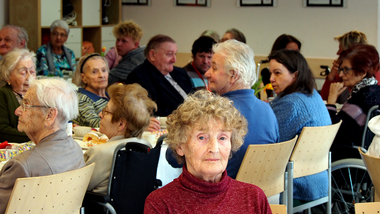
<point x="60" y="62"/>
<point x="90" y="105"/>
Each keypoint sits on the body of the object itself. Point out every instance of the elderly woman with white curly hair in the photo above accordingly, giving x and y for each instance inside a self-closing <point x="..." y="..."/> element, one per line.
<point x="203" y="132"/>
<point x="53" y="58"/>
<point x="232" y="74"/>
<point x="44" y="112"/>
<point x="17" y="69"/>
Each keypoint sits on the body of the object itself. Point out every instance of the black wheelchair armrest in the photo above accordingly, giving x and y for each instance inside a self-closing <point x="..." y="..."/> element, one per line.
<point x="97" y="197"/>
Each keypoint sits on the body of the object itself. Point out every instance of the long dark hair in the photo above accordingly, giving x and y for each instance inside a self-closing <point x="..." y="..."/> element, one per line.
<point x="283" y="40"/>
<point x="295" y="62"/>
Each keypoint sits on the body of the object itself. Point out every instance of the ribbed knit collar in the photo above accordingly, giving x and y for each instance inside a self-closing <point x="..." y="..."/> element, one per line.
<point x="206" y="189"/>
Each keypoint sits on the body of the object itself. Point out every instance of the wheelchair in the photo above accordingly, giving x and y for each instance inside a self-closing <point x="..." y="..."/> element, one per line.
<point x="351" y="182"/>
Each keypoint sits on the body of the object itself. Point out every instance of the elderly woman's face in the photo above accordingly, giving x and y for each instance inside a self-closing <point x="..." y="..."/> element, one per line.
<point x="95" y="74"/>
<point x="106" y="126"/>
<point x="280" y="77"/>
<point x="219" y="80"/>
<point x="58" y="37"/>
<point x="207" y="150"/>
<point x="21" y="75"/>
<point x="349" y="79"/>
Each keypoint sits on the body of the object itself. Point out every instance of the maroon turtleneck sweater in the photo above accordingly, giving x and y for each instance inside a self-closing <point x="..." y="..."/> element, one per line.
<point x="188" y="194"/>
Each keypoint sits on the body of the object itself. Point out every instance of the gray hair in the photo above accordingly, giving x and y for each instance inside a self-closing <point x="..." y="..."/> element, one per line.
<point x="211" y="33"/>
<point x="77" y="79"/>
<point x="240" y="58"/>
<point x="10" y="61"/>
<point x="60" y="23"/>
<point x="21" y="33"/>
<point x="57" y="94"/>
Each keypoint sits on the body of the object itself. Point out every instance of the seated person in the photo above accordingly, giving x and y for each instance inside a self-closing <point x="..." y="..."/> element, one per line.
<point x="123" y="120"/>
<point x="231" y="78"/>
<point x="374" y="126"/>
<point x="92" y="76"/>
<point x="11" y="37"/>
<point x="113" y="58"/>
<point x="284" y="41"/>
<point x="128" y="35"/>
<point x="203" y="132"/>
<point x="54" y="57"/>
<point x="345" y="41"/>
<point x="202" y="54"/>
<point x="298" y="105"/>
<point x="17" y="70"/>
<point x="166" y="84"/>
<point x="357" y="69"/>
<point x="233" y="33"/>
<point x="44" y="119"/>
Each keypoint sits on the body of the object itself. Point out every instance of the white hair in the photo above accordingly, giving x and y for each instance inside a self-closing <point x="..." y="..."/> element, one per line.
<point x="21" y="33"/>
<point x="60" y="23"/>
<point x="58" y="94"/>
<point x="240" y="58"/>
<point x="10" y="61"/>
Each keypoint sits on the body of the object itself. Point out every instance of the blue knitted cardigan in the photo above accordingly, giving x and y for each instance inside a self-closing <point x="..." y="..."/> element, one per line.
<point x="295" y="111"/>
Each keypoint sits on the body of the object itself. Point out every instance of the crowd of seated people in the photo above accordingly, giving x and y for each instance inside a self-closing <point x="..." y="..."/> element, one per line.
<point x="212" y="110"/>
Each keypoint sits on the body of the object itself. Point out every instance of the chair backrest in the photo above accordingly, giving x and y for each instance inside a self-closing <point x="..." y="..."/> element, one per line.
<point x="278" y="208"/>
<point x="367" y="133"/>
<point x="133" y="176"/>
<point x="367" y="208"/>
<point x="311" y="153"/>
<point x="264" y="165"/>
<point x="58" y="193"/>
<point x="372" y="164"/>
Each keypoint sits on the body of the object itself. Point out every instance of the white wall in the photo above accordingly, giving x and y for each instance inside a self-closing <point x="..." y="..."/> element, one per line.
<point x="315" y="27"/>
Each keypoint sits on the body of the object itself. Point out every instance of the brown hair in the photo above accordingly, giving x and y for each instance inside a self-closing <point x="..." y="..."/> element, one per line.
<point x="350" y="38"/>
<point x="133" y="105"/>
<point x="128" y="28"/>
<point x="156" y="41"/>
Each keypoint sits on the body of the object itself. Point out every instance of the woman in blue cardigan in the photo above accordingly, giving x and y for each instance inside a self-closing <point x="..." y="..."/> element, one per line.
<point x="298" y="105"/>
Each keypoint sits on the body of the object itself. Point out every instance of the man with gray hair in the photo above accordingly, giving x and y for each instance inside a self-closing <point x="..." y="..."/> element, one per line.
<point x="45" y="110"/>
<point x="11" y="37"/>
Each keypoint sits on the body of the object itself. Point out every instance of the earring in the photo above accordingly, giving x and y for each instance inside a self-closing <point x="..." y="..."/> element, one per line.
<point x="9" y="83"/>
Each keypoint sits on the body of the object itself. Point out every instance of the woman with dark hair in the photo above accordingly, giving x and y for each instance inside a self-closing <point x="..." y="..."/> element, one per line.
<point x="298" y="105"/>
<point x="358" y="66"/>
<point x="284" y="41"/>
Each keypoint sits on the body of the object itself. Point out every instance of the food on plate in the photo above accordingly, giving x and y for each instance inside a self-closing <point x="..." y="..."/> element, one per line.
<point x="92" y="138"/>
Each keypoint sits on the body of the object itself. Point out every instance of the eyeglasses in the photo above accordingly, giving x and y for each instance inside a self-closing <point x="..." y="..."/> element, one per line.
<point x="24" y="105"/>
<point x="105" y="111"/>
<point x="56" y="34"/>
<point x="345" y="70"/>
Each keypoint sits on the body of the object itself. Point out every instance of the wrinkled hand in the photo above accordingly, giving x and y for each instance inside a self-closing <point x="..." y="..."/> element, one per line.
<point x="334" y="70"/>
<point x="335" y="90"/>
<point x="154" y="125"/>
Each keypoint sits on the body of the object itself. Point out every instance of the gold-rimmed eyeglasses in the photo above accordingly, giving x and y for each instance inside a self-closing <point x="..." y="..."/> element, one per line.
<point x="56" y="34"/>
<point x="105" y="111"/>
<point x="24" y="105"/>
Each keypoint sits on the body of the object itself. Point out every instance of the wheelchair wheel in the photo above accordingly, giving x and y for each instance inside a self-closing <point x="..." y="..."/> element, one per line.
<point x="350" y="184"/>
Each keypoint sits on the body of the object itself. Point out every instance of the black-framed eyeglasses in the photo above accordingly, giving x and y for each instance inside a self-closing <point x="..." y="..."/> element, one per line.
<point x="24" y="105"/>
<point x="105" y="111"/>
<point x="345" y="70"/>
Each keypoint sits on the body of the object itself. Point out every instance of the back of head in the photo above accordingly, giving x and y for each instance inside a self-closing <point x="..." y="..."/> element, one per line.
<point x="58" y="94"/>
<point x="135" y="107"/>
<point x="128" y="28"/>
<point x="155" y="42"/>
<point x="211" y="33"/>
<point x="21" y="34"/>
<point x="10" y="61"/>
<point x="238" y="35"/>
<point x="284" y="40"/>
<point x="202" y="45"/>
<point x="61" y="24"/>
<point x="350" y="38"/>
<point x="364" y="58"/>
<point x="295" y="63"/>
<point x="239" y="57"/>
